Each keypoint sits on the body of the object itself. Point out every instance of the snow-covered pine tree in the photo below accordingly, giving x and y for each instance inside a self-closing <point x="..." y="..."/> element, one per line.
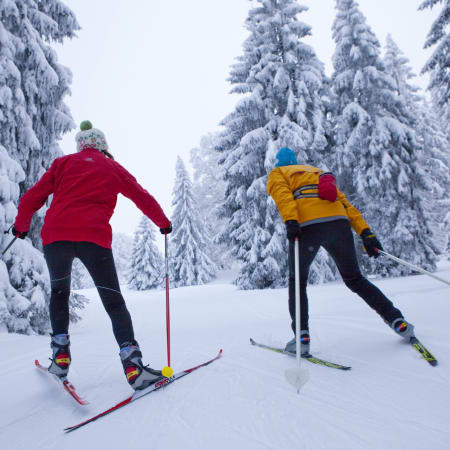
<point x="41" y="84"/>
<point x="121" y="247"/>
<point x="438" y="64"/>
<point x="209" y="192"/>
<point x="32" y="118"/>
<point x="190" y="263"/>
<point x="376" y="153"/>
<point x="24" y="278"/>
<point x="434" y="154"/>
<point x="283" y="85"/>
<point x="146" y="264"/>
<point x="436" y="160"/>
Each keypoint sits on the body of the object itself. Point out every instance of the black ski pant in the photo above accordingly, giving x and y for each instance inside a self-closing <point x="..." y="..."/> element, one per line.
<point x="337" y="239"/>
<point x="99" y="262"/>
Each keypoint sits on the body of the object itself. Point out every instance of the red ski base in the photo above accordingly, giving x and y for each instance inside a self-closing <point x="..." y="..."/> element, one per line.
<point x="67" y="385"/>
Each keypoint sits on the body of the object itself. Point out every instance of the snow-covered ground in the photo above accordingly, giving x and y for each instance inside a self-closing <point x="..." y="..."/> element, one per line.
<point x="391" y="399"/>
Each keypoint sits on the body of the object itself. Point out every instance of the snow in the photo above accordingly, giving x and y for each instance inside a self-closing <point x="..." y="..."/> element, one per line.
<point x="391" y="399"/>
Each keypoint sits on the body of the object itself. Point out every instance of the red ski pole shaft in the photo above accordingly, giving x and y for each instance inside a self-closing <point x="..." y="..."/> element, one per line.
<point x="167" y="300"/>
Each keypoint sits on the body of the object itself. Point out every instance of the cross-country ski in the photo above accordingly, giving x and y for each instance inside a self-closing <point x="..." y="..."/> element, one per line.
<point x="311" y="358"/>
<point x="423" y="351"/>
<point x="139" y="394"/>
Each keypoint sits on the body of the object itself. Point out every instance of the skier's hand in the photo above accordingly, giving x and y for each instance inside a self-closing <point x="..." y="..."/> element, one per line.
<point x="293" y="230"/>
<point x="371" y="243"/>
<point x="19" y="234"/>
<point x="167" y="230"/>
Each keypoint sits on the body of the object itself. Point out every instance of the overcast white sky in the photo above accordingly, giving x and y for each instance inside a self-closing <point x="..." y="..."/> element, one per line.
<point x="152" y="75"/>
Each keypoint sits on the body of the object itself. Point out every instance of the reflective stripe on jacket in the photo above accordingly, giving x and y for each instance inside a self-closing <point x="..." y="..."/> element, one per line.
<point x="308" y="209"/>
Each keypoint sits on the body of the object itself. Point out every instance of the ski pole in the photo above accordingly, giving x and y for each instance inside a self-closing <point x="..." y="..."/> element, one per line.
<point x="12" y="241"/>
<point x="9" y="245"/>
<point x="299" y="376"/>
<point x="167" y="371"/>
<point x="412" y="266"/>
<point x="166" y="253"/>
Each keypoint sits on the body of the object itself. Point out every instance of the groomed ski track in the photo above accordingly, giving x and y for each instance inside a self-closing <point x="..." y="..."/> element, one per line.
<point x="390" y="400"/>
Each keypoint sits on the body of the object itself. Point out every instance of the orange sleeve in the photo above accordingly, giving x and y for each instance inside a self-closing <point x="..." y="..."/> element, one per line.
<point x="278" y="188"/>
<point x="356" y="219"/>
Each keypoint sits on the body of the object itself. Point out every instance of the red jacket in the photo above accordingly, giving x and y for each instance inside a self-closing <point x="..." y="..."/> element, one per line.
<point x="84" y="187"/>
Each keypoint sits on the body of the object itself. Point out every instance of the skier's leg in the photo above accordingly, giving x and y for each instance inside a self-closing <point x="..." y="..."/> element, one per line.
<point x="339" y="243"/>
<point x="59" y="257"/>
<point x="99" y="262"/>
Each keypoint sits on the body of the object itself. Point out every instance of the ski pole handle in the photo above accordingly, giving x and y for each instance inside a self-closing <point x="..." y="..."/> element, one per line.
<point x="166" y="255"/>
<point x="412" y="266"/>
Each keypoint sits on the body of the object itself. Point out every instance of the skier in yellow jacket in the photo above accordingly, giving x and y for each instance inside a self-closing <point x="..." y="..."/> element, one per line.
<point x="315" y="211"/>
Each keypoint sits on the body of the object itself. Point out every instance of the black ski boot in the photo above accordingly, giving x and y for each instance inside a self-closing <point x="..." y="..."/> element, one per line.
<point x="60" y="345"/>
<point x="138" y="375"/>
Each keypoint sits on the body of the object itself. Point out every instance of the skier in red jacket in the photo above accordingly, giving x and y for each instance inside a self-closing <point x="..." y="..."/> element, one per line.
<point x="85" y="186"/>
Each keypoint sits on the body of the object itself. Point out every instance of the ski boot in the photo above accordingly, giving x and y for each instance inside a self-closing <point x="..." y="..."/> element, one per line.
<point x="138" y="375"/>
<point x="60" y="359"/>
<point x="304" y="344"/>
<point x="403" y="328"/>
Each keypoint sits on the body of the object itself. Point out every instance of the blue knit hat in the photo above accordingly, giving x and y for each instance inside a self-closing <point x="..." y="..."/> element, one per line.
<point x="286" y="157"/>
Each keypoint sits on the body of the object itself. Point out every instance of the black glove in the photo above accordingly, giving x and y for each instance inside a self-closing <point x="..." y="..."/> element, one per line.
<point x="167" y="230"/>
<point x="371" y="243"/>
<point x="293" y="229"/>
<point x="19" y="234"/>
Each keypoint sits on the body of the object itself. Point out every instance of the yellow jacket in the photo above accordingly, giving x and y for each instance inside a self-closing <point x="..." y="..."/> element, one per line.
<point x="282" y="183"/>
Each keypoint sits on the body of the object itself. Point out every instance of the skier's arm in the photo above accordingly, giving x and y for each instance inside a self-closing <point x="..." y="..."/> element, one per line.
<point x="356" y="219"/>
<point x="278" y="188"/>
<point x="131" y="189"/>
<point x="34" y="199"/>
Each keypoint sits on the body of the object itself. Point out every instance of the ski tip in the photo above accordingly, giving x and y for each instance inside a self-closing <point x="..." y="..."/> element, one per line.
<point x="39" y="365"/>
<point x="252" y="341"/>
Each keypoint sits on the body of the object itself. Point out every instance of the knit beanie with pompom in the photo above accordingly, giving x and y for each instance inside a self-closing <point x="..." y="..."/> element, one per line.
<point x="90" y="137"/>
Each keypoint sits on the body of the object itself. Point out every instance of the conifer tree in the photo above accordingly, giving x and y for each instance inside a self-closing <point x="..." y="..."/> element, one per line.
<point x="24" y="282"/>
<point x="146" y="263"/>
<point x="32" y="119"/>
<point x="282" y="83"/>
<point x="377" y="151"/>
<point x="33" y="85"/>
<point x="190" y="262"/>
<point x="438" y="64"/>
<point x="434" y="147"/>
<point x="209" y="191"/>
